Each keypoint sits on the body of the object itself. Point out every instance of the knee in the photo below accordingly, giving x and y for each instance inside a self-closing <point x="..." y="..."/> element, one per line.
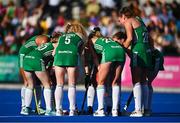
<point x="100" y="81"/>
<point x="25" y="84"/>
<point x="30" y="85"/>
<point x="116" y="83"/>
<point x="47" y="85"/>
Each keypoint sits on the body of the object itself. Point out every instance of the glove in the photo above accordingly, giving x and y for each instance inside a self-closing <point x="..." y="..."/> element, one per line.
<point x="87" y="81"/>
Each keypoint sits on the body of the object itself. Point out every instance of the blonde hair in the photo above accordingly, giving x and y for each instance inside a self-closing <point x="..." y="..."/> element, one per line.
<point x="76" y="28"/>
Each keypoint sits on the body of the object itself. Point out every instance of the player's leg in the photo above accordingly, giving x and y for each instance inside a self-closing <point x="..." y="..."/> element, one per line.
<point x="150" y="77"/>
<point x="91" y="91"/>
<point x="145" y="89"/>
<point x="28" y="93"/>
<point x="21" y="70"/>
<point x="60" y="78"/>
<point x="72" y="78"/>
<point x="136" y="73"/>
<point x="108" y="95"/>
<point x="116" y="88"/>
<point x="52" y="76"/>
<point x="37" y="95"/>
<point x="23" y="89"/>
<point x="44" y="78"/>
<point x="90" y="98"/>
<point x="102" y="75"/>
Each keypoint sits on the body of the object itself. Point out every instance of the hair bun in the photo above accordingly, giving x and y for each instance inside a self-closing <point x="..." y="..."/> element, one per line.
<point x="97" y="29"/>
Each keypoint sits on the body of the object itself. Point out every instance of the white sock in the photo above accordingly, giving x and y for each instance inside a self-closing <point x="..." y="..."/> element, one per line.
<point x="72" y="97"/>
<point x="90" y="95"/>
<point x="100" y="96"/>
<point x="38" y="95"/>
<point x="115" y="96"/>
<point x="23" y="90"/>
<point x="137" y="91"/>
<point x="47" y="98"/>
<point x="59" y="96"/>
<point x="150" y="97"/>
<point x="145" y="94"/>
<point x="28" y="97"/>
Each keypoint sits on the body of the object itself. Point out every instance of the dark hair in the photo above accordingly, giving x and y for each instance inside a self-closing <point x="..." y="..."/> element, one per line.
<point x="120" y="35"/>
<point x="93" y="32"/>
<point x="127" y="12"/>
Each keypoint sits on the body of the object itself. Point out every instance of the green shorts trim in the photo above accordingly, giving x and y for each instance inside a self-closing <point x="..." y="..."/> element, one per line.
<point x="20" y="60"/>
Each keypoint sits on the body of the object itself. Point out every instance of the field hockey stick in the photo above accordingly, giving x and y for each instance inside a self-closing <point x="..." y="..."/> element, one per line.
<point x="35" y="98"/>
<point x="85" y="95"/>
<point x="128" y="102"/>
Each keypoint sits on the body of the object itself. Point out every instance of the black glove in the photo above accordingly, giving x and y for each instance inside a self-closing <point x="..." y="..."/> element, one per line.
<point x="87" y="81"/>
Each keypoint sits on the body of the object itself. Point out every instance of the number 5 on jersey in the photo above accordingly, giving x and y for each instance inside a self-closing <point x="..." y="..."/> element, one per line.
<point x="67" y="40"/>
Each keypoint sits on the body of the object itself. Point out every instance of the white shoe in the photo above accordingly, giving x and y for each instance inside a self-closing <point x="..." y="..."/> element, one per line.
<point x="136" y="114"/>
<point x="50" y="113"/>
<point x="59" y="112"/>
<point x="114" y="112"/>
<point x="26" y="111"/>
<point x="99" y="113"/>
<point x="73" y="113"/>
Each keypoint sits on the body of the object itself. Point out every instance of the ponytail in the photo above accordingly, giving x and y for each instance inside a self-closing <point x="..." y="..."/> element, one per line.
<point x="95" y="32"/>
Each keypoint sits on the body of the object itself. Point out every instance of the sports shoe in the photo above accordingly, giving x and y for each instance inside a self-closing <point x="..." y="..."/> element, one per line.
<point x="114" y="112"/>
<point x="50" y="113"/>
<point x="26" y="111"/>
<point x="90" y="110"/>
<point x="73" y="112"/>
<point x="147" y="112"/>
<point x="59" y="112"/>
<point x="136" y="114"/>
<point x="109" y="110"/>
<point x="99" y="113"/>
<point x="41" y="111"/>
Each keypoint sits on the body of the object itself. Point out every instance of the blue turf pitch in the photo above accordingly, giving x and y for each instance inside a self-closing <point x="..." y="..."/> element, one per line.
<point x="166" y="108"/>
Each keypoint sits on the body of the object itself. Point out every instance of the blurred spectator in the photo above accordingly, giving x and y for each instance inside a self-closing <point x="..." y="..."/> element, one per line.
<point x="106" y="6"/>
<point x="92" y="7"/>
<point x="154" y="18"/>
<point x="145" y="18"/>
<point x="148" y="9"/>
<point x="53" y="7"/>
<point x="165" y="16"/>
<point x="177" y="42"/>
<point x="24" y="18"/>
<point x="135" y="6"/>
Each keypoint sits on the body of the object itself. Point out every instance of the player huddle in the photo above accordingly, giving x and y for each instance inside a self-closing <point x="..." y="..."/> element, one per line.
<point x="46" y="59"/>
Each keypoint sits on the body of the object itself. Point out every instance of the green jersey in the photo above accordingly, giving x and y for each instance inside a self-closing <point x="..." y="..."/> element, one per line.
<point x="140" y="33"/>
<point x="37" y="59"/>
<point x="42" y="51"/>
<point x="28" y="46"/>
<point x="67" y="51"/>
<point x="141" y="53"/>
<point x="25" y="49"/>
<point x="110" y="50"/>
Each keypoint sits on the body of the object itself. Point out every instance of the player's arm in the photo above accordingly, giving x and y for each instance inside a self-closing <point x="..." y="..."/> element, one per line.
<point x="129" y="33"/>
<point x="54" y="50"/>
<point x="94" y="55"/>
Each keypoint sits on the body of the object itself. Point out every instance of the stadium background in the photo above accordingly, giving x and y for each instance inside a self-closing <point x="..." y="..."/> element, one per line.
<point x="21" y="19"/>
